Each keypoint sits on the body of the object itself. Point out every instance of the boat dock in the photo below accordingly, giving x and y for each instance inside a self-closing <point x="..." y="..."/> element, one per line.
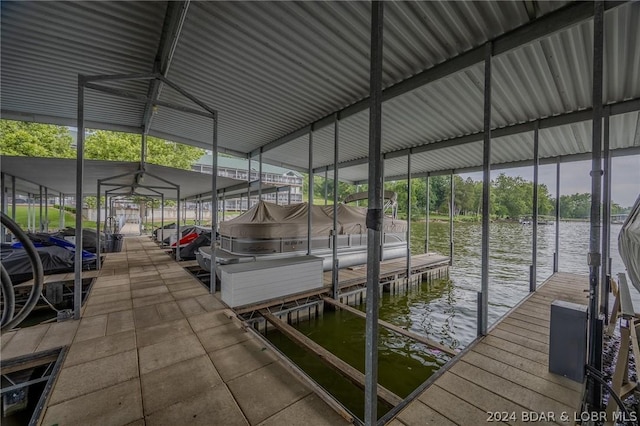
<point x="154" y="347"/>
<point x="507" y="371"/>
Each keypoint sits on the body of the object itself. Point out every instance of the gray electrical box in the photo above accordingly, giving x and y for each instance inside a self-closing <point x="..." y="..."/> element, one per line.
<point x="568" y="339"/>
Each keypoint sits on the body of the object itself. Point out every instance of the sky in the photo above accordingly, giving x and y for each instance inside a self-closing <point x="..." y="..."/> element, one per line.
<point x="575" y="178"/>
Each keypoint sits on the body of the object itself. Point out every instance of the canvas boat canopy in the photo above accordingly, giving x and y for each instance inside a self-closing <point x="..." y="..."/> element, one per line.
<point x="629" y="244"/>
<point x="268" y="220"/>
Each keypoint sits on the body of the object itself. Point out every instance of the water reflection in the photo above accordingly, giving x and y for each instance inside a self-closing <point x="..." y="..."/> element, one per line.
<point x="444" y="310"/>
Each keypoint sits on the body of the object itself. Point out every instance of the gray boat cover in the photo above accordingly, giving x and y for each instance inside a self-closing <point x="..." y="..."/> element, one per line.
<point x="629" y="244"/>
<point x="269" y="220"/>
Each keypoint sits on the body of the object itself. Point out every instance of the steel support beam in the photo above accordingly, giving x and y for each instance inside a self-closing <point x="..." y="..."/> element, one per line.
<point x="606" y="221"/>
<point x="556" y="252"/>
<point x="534" y="237"/>
<point x="77" y="283"/>
<point x="40" y="215"/>
<point x="310" y="191"/>
<point x="171" y="29"/>
<point x="483" y="296"/>
<point x="334" y="275"/>
<point x="178" y="234"/>
<point x="326" y="186"/>
<point x="260" y="178"/>
<point x="374" y="215"/>
<point x="13" y="198"/>
<point x="426" y="222"/>
<point x="524" y="35"/>
<point x="162" y="219"/>
<point x="214" y="203"/>
<point x="98" y="262"/>
<point x="46" y="209"/>
<point x="619" y="108"/>
<point x="3" y="207"/>
<point x="408" y="217"/>
<point x="249" y="182"/>
<point x="452" y="208"/>
<point x="594" y="394"/>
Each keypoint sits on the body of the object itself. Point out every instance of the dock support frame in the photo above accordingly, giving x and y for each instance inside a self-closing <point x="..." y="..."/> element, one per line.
<point x="556" y="253"/>
<point x="483" y="295"/>
<point x="335" y="271"/>
<point x="374" y="214"/>
<point x="408" y="217"/>
<point x="594" y="393"/>
<point x="534" y="237"/>
<point x="310" y="192"/>
<point x="426" y="222"/>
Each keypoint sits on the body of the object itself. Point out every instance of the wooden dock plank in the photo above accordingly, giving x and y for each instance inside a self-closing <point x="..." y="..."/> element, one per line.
<point x="507" y="370"/>
<point x="464" y="413"/>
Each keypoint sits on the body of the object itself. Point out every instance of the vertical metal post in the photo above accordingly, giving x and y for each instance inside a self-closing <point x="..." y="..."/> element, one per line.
<point x="594" y="259"/>
<point x="41" y="215"/>
<point x="77" y="283"/>
<point x="289" y="197"/>
<point x="162" y="220"/>
<point x="13" y="198"/>
<point x="249" y="182"/>
<point x="178" y="233"/>
<point x="408" y="216"/>
<point x="452" y="207"/>
<point x="606" y="220"/>
<point x="61" y="211"/>
<point x="224" y="205"/>
<point x="3" y="207"/>
<point x="260" y="178"/>
<point x="326" y="185"/>
<point x="310" y="202"/>
<point x="534" y="238"/>
<point x="153" y="223"/>
<point x="98" y="263"/>
<point x="334" y="274"/>
<point x="556" y="253"/>
<point x="143" y="149"/>
<point x="483" y="296"/>
<point x="374" y="215"/>
<point x="357" y="191"/>
<point x="28" y="211"/>
<point x="426" y="223"/>
<point x="46" y="209"/>
<point x="214" y="203"/>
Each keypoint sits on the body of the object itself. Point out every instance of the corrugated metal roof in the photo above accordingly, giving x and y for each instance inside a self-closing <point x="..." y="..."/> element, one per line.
<point x="45" y="45"/>
<point x="271" y="68"/>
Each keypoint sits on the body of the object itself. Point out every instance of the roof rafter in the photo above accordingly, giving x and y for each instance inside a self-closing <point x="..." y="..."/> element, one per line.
<point x="565" y="17"/>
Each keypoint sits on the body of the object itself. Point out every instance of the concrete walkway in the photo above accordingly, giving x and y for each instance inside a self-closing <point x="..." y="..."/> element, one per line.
<point x="154" y="347"/>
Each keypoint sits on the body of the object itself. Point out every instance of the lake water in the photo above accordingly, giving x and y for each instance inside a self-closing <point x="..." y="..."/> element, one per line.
<point x="445" y="310"/>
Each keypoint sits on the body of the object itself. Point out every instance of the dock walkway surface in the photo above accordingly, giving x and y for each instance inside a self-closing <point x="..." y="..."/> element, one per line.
<point x="388" y="269"/>
<point x="154" y="347"/>
<point x="507" y="371"/>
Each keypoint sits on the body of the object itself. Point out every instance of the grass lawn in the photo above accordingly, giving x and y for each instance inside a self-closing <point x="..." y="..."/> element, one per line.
<point x="53" y="216"/>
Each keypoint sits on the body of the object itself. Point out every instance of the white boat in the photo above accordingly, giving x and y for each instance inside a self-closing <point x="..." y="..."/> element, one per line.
<point x="268" y="231"/>
<point x="629" y="244"/>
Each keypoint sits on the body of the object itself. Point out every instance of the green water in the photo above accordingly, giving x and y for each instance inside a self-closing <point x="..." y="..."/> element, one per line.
<point x="403" y="364"/>
<point x="445" y="310"/>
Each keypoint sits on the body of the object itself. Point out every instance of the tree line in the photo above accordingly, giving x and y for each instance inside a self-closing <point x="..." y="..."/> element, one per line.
<point x="511" y="197"/>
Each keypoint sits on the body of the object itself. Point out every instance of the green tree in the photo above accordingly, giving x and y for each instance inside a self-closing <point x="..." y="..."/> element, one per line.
<point x="514" y="196"/>
<point x="35" y="140"/>
<point x="115" y="146"/>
